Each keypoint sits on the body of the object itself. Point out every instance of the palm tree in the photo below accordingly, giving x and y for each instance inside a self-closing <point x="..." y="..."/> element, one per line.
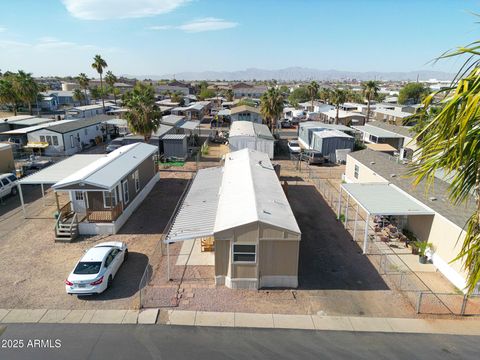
<point x="95" y="93"/>
<point x="370" y="90"/>
<point x="271" y="107"/>
<point x="229" y="94"/>
<point x="78" y="95"/>
<point x="99" y="64"/>
<point x="26" y="88"/>
<point x="111" y="79"/>
<point x="325" y="94"/>
<point x="143" y="114"/>
<point x="339" y="96"/>
<point x="84" y="82"/>
<point x="450" y="141"/>
<point x="8" y="95"/>
<point x="313" y="88"/>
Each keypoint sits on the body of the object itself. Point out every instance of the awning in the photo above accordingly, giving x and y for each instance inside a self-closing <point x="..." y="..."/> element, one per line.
<point x="381" y="147"/>
<point x="190" y="125"/>
<point x="56" y="172"/>
<point x="385" y="199"/>
<point x="36" y="145"/>
<point x="196" y="216"/>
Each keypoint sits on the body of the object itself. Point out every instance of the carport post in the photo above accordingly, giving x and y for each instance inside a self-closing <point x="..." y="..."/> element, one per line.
<point x="355" y="225"/>
<point x="365" y="240"/>
<point x="43" y="194"/>
<point x="339" y="203"/>
<point x="19" y="186"/>
<point x="346" y="212"/>
<point x="168" y="261"/>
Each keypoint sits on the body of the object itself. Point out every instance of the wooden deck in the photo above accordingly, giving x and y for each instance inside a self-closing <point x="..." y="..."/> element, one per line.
<point x="104" y="215"/>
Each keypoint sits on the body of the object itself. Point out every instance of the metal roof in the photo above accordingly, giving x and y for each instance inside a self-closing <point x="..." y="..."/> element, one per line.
<point x="190" y="125"/>
<point x="385" y="199"/>
<point x="251" y="192"/>
<point x="196" y="216"/>
<point x="74" y="125"/>
<point x="328" y="133"/>
<point x="435" y="198"/>
<point x="172" y="119"/>
<point x="116" y="122"/>
<point x="406" y="131"/>
<point x="110" y="168"/>
<point x="246" y="190"/>
<point x="224" y="112"/>
<point x="244" y="108"/>
<point x="376" y="131"/>
<point x="248" y="128"/>
<point x="32" y="121"/>
<point x="59" y="171"/>
<point x="9" y="119"/>
<point x="29" y="129"/>
<point x="319" y="124"/>
<point x="174" y="137"/>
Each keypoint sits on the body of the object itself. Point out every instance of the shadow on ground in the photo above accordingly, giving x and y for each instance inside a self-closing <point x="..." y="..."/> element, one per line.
<point x="127" y="281"/>
<point x="152" y="216"/>
<point x="329" y="258"/>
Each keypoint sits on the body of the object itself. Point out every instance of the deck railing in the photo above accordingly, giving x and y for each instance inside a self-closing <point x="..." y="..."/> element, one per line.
<point x="104" y="215"/>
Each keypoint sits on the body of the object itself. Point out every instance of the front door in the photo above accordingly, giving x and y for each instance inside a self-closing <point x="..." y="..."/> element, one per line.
<point x="79" y="202"/>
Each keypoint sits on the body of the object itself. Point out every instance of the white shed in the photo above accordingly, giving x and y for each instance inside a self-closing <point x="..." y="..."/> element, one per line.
<point x="249" y="135"/>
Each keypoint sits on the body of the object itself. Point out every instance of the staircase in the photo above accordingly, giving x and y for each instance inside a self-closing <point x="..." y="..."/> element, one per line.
<point x="66" y="227"/>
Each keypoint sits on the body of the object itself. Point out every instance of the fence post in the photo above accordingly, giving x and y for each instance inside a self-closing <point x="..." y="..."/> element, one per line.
<point x="419" y="302"/>
<point x="464" y="305"/>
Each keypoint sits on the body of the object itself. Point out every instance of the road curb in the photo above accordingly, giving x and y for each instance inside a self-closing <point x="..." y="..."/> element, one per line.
<point x="243" y="320"/>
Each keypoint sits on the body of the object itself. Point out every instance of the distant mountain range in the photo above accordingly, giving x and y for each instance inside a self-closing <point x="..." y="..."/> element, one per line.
<point x="301" y="74"/>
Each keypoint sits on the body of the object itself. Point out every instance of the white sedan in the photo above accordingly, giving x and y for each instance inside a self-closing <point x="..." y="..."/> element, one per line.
<point x="294" y="147"/>
<point x="96" y="270"/>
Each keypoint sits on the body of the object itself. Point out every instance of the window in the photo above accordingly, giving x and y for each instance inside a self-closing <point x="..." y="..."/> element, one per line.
<point x="55" y="140"/>
<point x="12" y="178"/>
<point x="244" y="253"/>
<point x="42" y="138"/>
<point x="109" y="260"/>
<point x="5" y="182"/>
<point x="109" y="199"/>
<point x="87" y="268"/>
<point x="126" y="198"/>
<point x="357" y="170"/>
<point x="79" y="195"/>
<point x="136" y="177"/>
<point x="72" y="142"/>
<point x="49" y="140"/>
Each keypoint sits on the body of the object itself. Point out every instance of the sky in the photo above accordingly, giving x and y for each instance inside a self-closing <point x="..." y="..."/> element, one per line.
<point x="156" y="37"/>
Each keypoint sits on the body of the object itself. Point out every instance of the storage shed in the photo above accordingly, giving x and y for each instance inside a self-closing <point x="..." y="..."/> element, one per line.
<point x="246" y="134"/>
<point x="329" y="141"/>
<point x="175" y="145"/>
<point x="243" y="208"/>
<point x="6" y="158"/>
<point x="306" y="130"/>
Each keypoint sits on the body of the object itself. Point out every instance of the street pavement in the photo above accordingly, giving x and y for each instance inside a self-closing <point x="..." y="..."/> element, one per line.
<point x="61" y="341"/>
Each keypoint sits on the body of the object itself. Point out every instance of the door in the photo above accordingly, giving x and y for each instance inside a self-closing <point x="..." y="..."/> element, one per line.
<point x="79" y="202"/>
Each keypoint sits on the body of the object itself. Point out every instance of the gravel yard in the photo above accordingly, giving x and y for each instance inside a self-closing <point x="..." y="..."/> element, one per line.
<point x="33" y="267"/>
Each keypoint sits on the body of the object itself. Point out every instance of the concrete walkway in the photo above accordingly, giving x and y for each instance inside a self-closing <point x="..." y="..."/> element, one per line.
<point x="243" y="320"/>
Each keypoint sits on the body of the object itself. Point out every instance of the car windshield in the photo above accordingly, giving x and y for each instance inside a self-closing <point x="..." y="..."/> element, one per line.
<point x="88" y="268"/>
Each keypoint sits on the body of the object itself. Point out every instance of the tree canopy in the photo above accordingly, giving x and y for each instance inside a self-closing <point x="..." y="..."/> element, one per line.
<point x="412" y="93"/>
<point x="299" y="95"/>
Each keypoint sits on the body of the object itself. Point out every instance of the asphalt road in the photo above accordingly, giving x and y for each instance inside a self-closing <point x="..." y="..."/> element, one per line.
<point x="177" y="342"/>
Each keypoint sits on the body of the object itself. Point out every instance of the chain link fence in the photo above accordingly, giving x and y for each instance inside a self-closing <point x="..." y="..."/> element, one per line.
<point x="388" y="263"/>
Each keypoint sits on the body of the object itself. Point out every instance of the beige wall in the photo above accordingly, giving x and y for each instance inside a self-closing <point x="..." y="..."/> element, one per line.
<point x="365" y="174"/>
<point x="6" y="160"/>
<point x="275" y="257"/>
<point x="443" y="234"/>
<point x="279" y="258"/>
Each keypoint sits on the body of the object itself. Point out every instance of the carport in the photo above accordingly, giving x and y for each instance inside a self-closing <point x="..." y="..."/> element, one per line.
<point x="54" y="173"/>
<point x="379" y="199"/>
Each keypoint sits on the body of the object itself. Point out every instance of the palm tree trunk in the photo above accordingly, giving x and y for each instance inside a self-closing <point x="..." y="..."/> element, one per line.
<point x="336" y="116"/>
<point x="103" y="96"/>
<point x="30" y="108"/>
<point x="86" y="96"/>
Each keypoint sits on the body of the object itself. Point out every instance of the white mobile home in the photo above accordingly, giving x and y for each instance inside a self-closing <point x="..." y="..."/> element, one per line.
<point x="245" y="134"/>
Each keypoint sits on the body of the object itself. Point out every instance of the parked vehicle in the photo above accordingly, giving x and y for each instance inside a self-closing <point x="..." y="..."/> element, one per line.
<point x="286" y="124"/>
<point x="112" y="147"/>
<point x="294" y="147"/>
<point x="8" y="185"/>
<point x="96" y="270"/>
<point x="312" y="157"/>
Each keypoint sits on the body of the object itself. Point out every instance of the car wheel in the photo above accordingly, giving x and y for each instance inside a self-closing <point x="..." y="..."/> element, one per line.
<point x="13" y="191"/>
<point x="109" y="282"/>
<point x="125" y="257"/>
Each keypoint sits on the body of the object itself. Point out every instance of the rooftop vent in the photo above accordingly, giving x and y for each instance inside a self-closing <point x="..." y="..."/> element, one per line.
<point x="393" y="175"/>
<point x="372" y="162"/>
<point x="433" y="198"/>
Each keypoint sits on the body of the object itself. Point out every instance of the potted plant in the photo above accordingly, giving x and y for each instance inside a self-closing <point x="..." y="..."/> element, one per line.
<point x="422" y="247"/>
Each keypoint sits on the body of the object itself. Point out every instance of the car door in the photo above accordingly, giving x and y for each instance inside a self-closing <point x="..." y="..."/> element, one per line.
<point x="109" y="265"/>
<point x="4" y="190"/>
<point x="116" y="261"/>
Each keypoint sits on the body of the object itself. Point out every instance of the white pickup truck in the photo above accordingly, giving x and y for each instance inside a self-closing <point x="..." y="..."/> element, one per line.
<point x="8" y="185"/>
